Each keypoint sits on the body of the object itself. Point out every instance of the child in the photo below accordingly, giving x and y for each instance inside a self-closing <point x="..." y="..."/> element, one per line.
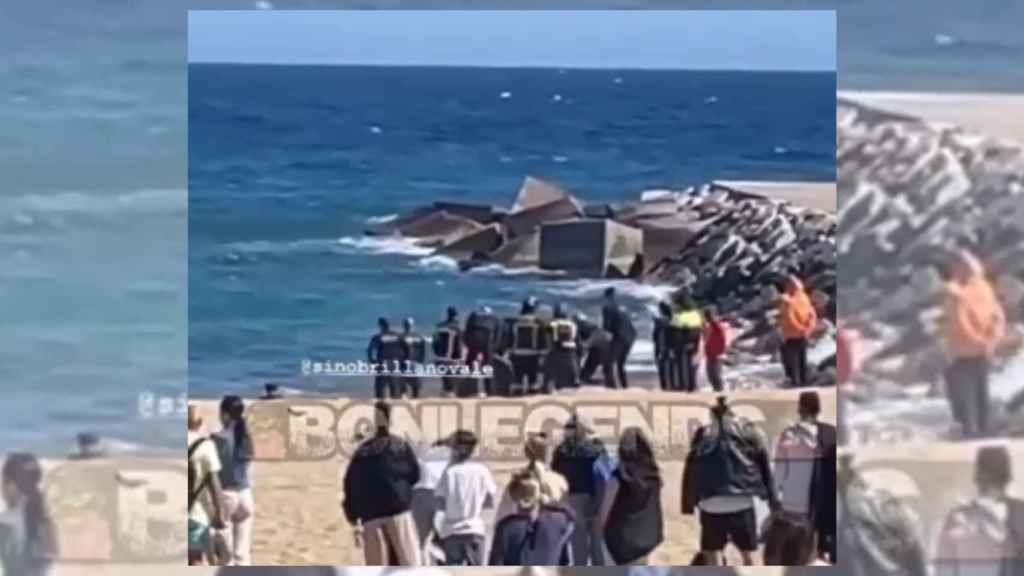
<point x="465" y="490"/>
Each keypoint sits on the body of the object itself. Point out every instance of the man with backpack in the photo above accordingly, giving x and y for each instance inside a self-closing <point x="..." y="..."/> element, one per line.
<point x="726" y="469"/>
<point x="986" y="535"/>
<point x="205" y="498"/>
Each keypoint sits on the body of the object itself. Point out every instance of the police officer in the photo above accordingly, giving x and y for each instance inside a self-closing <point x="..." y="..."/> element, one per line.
<point x="415" y="353"/>
<point x="561" y="364"/>
<point x="386" y="350"/>
<point x="685" y="332"/>
<point x="483" y="331"/>
<point x="447" y="345"/>
<point x="596" y="343"/>
<point x="528" y="341"/>
<point x="663" y="348"/>
<point x="617" y="322"/>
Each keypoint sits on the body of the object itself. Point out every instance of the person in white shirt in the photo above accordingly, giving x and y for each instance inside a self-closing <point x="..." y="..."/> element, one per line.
<point x="433" y="462"/>
<point x="465" y="490"/>
<point x="205" y="499"/>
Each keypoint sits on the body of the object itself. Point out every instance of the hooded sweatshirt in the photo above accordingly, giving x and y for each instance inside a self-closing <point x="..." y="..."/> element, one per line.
<point x="797" y="317"/>
<point x="974" y="320"/>
<point x="794" y="466"/>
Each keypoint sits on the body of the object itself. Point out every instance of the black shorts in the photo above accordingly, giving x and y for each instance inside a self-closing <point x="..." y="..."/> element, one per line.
<point x="717" y="530"/>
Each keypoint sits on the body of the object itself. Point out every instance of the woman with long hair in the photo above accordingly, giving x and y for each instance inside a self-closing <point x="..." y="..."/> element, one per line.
<point x="630" y="515"/>
<point x="28" y="541"/>
<point x="235" y="448"/>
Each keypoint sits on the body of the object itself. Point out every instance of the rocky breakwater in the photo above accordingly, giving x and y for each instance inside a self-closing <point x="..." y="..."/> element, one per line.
<point x="730" y="244"/>
<point x="910" y="194"/>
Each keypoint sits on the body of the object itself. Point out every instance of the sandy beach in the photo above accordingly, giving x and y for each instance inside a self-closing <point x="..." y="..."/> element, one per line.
<point x="298" y="517"/>
<point x="999" y="115"/>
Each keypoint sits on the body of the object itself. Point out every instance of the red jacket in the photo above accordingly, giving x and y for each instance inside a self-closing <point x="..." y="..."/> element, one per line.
<point x="716" y="338"/>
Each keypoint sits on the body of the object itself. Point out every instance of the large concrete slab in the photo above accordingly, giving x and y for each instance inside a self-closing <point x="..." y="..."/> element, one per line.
<point x="439" y="228"/>
<point x="526" y="221"/>
<point x="590" y="247"/>
<point x="536" y="192"/>
<point x="520" y="252"/>
<point x="665" y="237"/>
<point x="483" y="241"/>
<point x="482" y="213"/>
<point x="814" y="195"/>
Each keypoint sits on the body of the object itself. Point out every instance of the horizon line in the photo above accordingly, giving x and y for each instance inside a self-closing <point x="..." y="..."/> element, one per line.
<point x="505" y="66"/>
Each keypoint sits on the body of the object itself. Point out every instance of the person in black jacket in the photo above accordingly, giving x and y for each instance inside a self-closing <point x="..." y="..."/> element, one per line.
<point x="663" y="346"/>
<point x="595" y="344"/>
<point x="415" y="353"/>
<point x="378" y="496"/>
<point x="726" y="469"/>
<point x="618" y="323"/>
<point x="482" y="338"/>
<point x="631" y="514"/>
<point x="574" y="459"/>
<point x="447" y="344"/>
<point x="527" y="340"/>
<point x="386" y="353"/>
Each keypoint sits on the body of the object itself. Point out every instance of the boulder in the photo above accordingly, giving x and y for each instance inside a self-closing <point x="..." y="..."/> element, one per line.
<point x="665" y="237"/>
<point x="590" y="247"/>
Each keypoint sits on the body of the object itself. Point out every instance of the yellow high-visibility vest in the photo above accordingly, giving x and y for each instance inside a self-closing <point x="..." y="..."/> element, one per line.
<point x="687" y="319"/>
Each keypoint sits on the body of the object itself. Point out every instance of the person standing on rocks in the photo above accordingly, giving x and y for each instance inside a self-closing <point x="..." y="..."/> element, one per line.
<point x="618" y="323"/>
<point x="797" y="320"/>
<point x="974" y="326"/>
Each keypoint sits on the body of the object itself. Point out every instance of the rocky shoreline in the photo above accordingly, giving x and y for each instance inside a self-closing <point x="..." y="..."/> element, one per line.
<point x="731" y="247"/>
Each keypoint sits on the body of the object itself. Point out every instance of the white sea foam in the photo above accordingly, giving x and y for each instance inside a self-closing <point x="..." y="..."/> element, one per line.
<point x="382" y="219"/>
<point x="499" y="270"/>
<point x="506" y="95"/>
<point x="437" y="262"/>
<point x="385" y="245"/>
<point x="97" y="204"/>
<point x="648" y="293"/>
<point x="711" y="99"/>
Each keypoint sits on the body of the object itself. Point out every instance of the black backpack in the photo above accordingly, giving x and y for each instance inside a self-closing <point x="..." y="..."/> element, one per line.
<point x="195" y="484"/>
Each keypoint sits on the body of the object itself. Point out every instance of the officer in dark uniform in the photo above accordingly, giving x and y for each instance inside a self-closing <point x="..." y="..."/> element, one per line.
<point x="617" y="321"/>
<point x="415" y="347"/>
<point x="447" y="344"/>
<point x="386" y="350"/>
<point x="527" y="343"/>
<point x="686" y="329"/>
<point x="663" y="347"/>
<point x="595" y="342"/>
<point x="561" y="364"/>
<point x="483" y="332"/>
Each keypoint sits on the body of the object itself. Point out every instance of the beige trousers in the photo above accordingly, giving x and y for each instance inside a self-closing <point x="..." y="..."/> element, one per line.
<point x="397" y="533"/>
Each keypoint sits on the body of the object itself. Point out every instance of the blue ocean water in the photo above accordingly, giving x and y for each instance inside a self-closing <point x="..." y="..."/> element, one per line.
<point x="287" y="165"/>
<point x="93" y="135"/>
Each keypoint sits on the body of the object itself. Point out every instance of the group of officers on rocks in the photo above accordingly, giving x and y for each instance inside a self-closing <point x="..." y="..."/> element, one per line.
<point x="528" y="353"/>
<point x="532" y="354"/>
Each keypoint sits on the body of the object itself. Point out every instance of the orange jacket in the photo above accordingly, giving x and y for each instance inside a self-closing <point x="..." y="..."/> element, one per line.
<point x="797" y="317"/>
<point x="974" y="320"/>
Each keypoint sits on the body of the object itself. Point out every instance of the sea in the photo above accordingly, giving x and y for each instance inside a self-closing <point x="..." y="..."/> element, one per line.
<point x="94" y="153"/>
<point x="289" y="165"/>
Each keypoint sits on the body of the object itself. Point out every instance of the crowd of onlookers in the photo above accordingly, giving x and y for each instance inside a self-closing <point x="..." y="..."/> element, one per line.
<point x="582" y="503"/>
